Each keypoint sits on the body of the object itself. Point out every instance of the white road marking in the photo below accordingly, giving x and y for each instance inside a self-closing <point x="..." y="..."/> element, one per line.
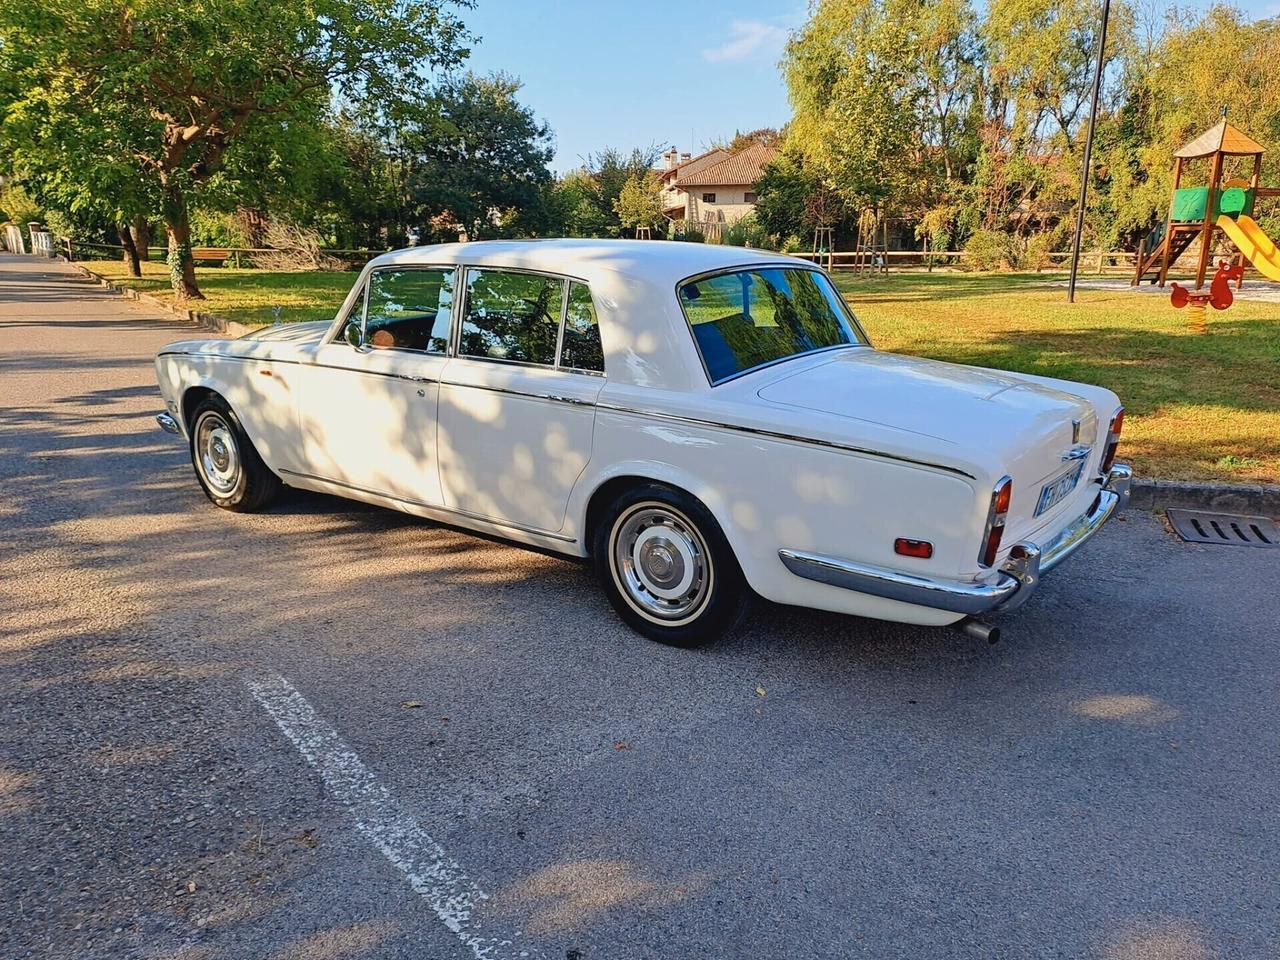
<point x="432" y="874"/>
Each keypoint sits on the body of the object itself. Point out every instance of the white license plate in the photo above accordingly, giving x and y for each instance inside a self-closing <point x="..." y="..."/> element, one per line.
<point x="1056" y="490"/>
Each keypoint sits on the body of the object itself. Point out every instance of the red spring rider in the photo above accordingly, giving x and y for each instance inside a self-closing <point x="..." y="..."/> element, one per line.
<point x="1219" y="296"/>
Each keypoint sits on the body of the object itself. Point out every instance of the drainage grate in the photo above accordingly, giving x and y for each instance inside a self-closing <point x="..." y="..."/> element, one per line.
<point x="1197" y="527"/>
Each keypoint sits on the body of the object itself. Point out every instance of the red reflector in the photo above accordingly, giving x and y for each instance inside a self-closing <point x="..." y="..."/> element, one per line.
<point x="993" y="545"/>
<point x="913" y="548"/>
<point x="1113" y="440"/>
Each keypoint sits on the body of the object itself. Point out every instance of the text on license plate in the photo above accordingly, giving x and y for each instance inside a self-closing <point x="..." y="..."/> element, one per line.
<point x="1056" y="490"/>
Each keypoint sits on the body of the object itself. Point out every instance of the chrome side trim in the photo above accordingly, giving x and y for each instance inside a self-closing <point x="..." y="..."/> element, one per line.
<point x="431" y="506"/>
<point x="776" y="435"/>
<point x="1019" y="575"/>
<point x="552" y="397"/>
<point x="168" y="424"/>
<point x="965" y="598"/>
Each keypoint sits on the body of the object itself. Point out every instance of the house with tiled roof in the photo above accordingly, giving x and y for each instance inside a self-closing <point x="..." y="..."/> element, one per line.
<point x="713" y="187"/>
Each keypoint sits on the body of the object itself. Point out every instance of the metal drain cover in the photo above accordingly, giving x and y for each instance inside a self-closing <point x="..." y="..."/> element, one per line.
<point x="1196" y="526"/>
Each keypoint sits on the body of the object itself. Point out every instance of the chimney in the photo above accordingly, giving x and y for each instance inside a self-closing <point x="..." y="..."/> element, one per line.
<point x="685" y="157"/>
<point x="670" y="159"/>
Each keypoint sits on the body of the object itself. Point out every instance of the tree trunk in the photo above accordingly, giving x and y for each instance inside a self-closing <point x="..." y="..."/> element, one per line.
<point x="130" y="250"/>
<point x="253" y="224"/>
<point x="142" y="236"/>
<point x="182" y="271"/>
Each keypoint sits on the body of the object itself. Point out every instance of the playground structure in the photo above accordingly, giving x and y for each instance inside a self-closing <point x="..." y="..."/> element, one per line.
<point x="1225" y="206"/>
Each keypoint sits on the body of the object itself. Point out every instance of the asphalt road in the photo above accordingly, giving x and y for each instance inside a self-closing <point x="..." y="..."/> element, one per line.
<point x="330" y="731"/>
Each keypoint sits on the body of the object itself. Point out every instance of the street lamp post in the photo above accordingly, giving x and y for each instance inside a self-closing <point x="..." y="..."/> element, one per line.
<point x="1088" y="153"/>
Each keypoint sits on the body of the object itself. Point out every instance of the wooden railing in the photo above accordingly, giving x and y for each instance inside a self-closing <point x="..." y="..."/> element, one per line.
<point x="236" y="256"/>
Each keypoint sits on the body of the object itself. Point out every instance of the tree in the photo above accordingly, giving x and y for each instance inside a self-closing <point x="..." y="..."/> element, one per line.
<point x="480" y="154"/>
<point x="188" y="86"/>
<point x="782" y="193"/>
<point x="607" y="172"/>
<point x="639" y="203"/>
<point x="768" y="136"/>
<point x="854" y="77"/>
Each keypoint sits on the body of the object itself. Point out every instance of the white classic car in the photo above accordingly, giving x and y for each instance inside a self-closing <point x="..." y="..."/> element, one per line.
<point x="705" y="423"/>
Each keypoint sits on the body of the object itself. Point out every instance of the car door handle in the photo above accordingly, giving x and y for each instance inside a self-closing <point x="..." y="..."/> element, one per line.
<point x="562" y="399"/>
<point x="413" y="379"/>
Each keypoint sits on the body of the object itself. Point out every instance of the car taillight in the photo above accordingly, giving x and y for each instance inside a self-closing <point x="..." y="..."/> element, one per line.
<point x="1000" y="498"/>
<point x="1113" y="440"/>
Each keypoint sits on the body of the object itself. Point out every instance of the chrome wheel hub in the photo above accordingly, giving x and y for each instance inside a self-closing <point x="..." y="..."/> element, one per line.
<point x="217" y="455"/>
<point x="661" y="563"/>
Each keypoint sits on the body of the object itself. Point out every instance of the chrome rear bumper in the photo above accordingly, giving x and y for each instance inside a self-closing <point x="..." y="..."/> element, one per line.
<point x="1019" y="575"/>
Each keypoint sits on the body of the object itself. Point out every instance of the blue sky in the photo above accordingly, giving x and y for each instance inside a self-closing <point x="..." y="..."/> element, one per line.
<point x="625" y="74"/>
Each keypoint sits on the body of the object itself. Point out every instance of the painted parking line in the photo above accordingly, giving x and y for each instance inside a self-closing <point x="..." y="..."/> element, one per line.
<point x="382" y="820"/>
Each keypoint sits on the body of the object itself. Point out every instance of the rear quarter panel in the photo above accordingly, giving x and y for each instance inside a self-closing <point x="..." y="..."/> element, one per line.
<point x="769" y="494"/>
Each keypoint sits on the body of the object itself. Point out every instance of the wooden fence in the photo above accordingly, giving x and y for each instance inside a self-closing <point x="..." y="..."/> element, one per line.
<point x="843" y="260"/>
<point x="235" y="256"/>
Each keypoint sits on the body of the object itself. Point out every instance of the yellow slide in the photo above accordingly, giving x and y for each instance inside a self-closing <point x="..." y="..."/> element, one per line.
<point x="1257" y="247"/>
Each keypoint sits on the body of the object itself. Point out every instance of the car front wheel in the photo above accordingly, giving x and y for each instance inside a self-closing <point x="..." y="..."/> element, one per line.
<point x="667" y="568"/>
<point x="228" y="467"/>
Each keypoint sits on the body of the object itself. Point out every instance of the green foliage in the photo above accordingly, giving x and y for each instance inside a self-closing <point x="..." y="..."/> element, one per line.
<point x="747" y="232"/>
<point x="781" y="195"/>
<point x="639" y="202"/>
<point x="989" y="250"/>
<point x="854" y="73"/>
<point x="691" y="235"/>
<point x="16" y="206"/>
<point x="477" y="154"/>
<point x="199" y="99"/>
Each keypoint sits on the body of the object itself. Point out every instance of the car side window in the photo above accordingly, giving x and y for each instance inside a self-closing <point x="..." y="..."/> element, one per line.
<point x="355" y="316"/>
<point x="410" y="309"/>
<point x="581" y="348"/>
<point x="511" y="316"/>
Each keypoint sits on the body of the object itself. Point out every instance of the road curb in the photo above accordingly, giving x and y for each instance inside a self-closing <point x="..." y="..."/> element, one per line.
<point x="209" y="321"/>
<point x="1255" y="499"/>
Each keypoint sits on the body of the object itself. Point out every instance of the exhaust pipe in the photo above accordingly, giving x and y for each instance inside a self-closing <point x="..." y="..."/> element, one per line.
<point x="978" y="630"/>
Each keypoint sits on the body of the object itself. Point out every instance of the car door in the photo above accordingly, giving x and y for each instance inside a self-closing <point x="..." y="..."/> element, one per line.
<point x="517" y="405"/>
<point x="368" y="409"/>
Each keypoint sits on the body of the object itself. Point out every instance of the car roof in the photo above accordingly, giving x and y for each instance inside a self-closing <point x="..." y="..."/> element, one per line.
<point x="655" y="261"/>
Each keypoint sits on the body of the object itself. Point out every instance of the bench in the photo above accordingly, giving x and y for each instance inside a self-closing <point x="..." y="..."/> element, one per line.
<point x="219" y="255"/>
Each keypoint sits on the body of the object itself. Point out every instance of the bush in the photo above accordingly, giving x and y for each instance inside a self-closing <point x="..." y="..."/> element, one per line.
<point x="1036" y="254"/>
<point x="989" y="250"/>
<point x="691" y="235"/>
<point x="746" y="232"/>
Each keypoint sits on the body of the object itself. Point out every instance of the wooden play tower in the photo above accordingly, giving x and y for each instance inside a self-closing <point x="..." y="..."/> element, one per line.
<point x="1195" y="211"/>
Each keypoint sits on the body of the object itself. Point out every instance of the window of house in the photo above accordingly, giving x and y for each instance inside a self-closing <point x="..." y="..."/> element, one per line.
<point x="410" y="309"/>
<point x="511" y="316"/>
<point x="581" y="348"/>
<point x="708" y="198"/>
<point x="748" y="197"/>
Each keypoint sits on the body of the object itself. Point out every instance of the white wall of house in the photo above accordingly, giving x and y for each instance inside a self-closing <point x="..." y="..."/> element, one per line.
<point x="730" y="203"/>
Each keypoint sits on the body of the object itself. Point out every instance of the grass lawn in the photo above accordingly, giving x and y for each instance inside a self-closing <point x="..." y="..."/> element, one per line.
<point x="1197" y="407"/>
<point x="247" y="296"/>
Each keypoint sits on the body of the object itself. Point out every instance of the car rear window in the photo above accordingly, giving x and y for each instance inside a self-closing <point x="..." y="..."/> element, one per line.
<point x="745" y="319"/>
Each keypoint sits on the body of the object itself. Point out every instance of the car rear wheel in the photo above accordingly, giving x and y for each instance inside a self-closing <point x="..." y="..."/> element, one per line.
<point x="228" y="467"/>
<point x="667" y="568"/>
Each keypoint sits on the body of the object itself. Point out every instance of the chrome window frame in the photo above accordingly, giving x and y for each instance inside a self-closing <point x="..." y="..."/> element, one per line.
<point x="453" y="268"/>
<point x="767" y="265"/>
<point x="564" y="322"/>
<point x="455" y="345"/>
